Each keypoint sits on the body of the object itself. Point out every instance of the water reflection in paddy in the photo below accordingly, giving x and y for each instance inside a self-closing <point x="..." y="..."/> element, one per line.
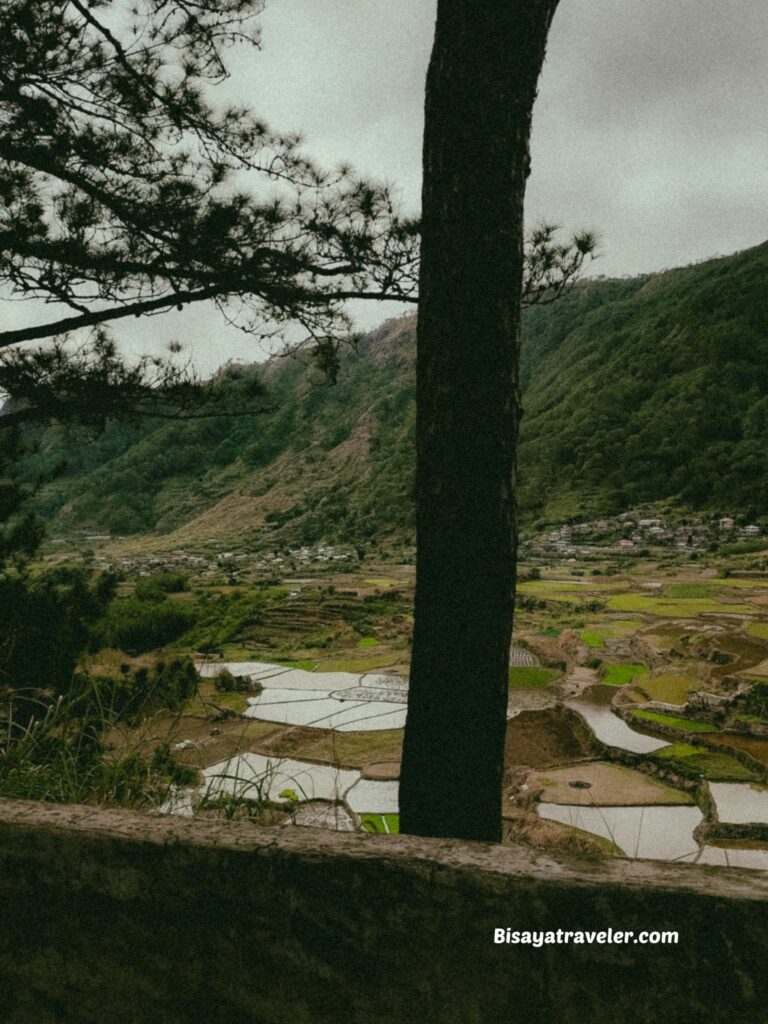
<point x="594" y="707"/>
<point x="734" y="857"/>
<point x="660" y="833"/>
<point x="739" y="803"/>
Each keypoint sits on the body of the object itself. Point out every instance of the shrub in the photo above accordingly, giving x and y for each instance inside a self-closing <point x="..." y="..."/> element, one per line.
<point x="61" y="757"/>
<point x="155" y="588"/>
<point x="756" y="701"/>
<point x="136" y="626"/>
<point x="45" y="623"/>
<point x="225" y="681"/>
<point x="167" y="684"/>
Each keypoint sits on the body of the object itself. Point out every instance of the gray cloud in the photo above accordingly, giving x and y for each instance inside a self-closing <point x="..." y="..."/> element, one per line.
<point x="651" y="127"/>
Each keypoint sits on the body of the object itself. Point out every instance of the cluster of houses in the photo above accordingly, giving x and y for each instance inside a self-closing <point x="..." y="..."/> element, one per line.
<point x="728" y="523"/>
<point x="237" y="564"/>
<point x="629" y="532"/>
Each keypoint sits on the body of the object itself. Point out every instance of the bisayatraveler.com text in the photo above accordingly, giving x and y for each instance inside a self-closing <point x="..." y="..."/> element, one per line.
<point x="561" y="937"/>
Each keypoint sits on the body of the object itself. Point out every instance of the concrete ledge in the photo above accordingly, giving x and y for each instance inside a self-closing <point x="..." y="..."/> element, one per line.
<point x="114" y="916"/>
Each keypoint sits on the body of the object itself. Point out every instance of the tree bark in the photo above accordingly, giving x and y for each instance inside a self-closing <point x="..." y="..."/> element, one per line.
<point x="481" y="86"/>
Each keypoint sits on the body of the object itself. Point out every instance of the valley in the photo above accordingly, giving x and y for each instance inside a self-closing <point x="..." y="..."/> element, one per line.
<point x="253" y="660"/>
<point x="637" y="709"/>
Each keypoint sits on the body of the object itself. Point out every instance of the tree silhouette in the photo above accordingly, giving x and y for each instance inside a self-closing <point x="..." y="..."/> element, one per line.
<point x="125" y="192"/>
<point x="481" y="88"/>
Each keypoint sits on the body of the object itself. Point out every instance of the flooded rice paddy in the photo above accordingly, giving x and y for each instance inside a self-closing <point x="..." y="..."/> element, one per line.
<point x="734" y="857"/>
<point x="739" y="803"/>
<point x="651" y="826"/>
<point x="594" y="707"/>
<point x="326" y="700"/>
<point x="659" y="833"/>
<point x="655" y="832"/>
<point x="255" y="776"/>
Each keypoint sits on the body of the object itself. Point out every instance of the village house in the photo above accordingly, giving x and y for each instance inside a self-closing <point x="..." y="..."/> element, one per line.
<point x="683" y="537"/>
<point x="648" y="524"/>
<point x="726" y="523"/>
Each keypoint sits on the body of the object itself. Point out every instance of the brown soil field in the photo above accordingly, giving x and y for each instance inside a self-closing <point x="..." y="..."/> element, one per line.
<point x="382" y="770"/>
<point x="354" y="749"/>
<point x="213" y="741"/>
<point x="538" y="739"/>
<point x="609" y="785"/>
<point x="288" y="741"/>
<point x="744" y="649"/>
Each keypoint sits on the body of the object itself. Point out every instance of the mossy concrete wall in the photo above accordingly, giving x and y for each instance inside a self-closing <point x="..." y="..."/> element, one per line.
<point x="110" y="917"/>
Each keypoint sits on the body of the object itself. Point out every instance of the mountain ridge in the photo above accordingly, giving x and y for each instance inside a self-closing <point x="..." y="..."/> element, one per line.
<point x="634" y="390"/>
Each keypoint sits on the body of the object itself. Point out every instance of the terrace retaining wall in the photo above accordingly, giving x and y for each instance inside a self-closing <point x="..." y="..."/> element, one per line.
<point x="700" y="739"/>
<point x="114" y="917"/>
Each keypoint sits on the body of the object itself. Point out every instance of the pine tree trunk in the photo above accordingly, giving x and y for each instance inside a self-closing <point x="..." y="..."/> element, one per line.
<point x="481" y="87"/>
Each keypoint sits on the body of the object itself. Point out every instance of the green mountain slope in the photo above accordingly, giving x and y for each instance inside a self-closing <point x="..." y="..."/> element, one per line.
<point x="331" y="463"/>
<point x="635" y="390"/>
<point x="661" y="392"/>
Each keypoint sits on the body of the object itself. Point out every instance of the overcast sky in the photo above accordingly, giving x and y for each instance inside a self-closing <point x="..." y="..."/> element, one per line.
<point x="651" y="125"/>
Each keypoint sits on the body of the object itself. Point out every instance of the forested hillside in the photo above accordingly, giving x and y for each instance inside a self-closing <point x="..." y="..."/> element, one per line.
<point x="651" y="389"/>
<point x="634" y="390"/>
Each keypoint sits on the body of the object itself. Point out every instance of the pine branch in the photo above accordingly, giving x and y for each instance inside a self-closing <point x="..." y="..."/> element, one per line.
<point x="74" y="323"/>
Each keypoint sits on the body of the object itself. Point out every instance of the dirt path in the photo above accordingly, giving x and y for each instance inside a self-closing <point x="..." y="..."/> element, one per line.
<point x="578" y="680"/>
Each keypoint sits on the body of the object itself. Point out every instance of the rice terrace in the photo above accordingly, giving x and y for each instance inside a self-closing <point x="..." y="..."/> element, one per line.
<point x="637" y="706"/>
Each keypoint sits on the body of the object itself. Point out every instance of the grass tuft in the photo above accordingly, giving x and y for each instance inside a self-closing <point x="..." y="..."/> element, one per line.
<point x="620" y="675"/>
<point x="531" y="677"/>
<point x="678" y="723"/>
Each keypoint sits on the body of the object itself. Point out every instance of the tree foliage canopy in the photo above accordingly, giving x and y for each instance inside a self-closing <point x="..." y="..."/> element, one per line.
<point x="124" y="190"/>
